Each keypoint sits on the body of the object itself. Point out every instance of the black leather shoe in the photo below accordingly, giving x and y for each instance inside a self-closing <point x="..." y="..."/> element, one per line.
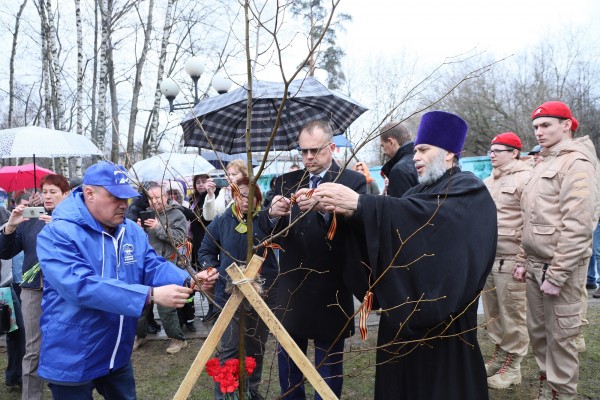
<point x="190" y="327"/>
<point x="590" y="286"/>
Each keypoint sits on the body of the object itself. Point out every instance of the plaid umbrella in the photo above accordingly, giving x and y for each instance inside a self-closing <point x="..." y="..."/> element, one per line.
<point x="222" y="119"/>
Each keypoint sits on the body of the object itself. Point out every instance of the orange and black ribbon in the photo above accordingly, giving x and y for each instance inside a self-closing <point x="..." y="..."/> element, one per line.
<point x="235" y="192"/>
<point x="332" y="227"/>
<point x="365" y="310"/>
<point x="269" y="245"/>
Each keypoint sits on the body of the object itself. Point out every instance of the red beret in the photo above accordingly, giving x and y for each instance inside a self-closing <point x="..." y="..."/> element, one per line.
<point x="556" y="109"/>
<point x="508" y="139"/>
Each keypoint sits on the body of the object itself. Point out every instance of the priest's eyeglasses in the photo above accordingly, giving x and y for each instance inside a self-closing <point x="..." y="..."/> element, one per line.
<point x="497" y="151"/>
<point x="313" y="151"/>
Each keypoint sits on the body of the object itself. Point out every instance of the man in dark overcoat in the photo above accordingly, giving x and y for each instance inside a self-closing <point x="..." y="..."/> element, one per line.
<point x="430" y="252"/>
<point x="313" y="300"/>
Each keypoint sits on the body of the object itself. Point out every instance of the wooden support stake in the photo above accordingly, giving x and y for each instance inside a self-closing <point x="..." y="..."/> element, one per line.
<point x="280" y="333"/>
<point x="215" y="334"/>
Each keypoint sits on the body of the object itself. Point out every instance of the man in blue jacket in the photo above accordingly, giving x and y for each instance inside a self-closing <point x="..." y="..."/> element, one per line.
<point x="99" y="271"/>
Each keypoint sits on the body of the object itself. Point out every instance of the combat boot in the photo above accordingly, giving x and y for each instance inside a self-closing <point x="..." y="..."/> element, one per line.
<point x="544" y="392"/>
<point x="558" y="396"/>
<point x="495" y="362"/>
<point x="509" y="374"/>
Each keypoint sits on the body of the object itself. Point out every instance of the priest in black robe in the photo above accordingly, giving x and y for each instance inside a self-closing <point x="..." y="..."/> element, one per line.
<point x="430" y="252"/>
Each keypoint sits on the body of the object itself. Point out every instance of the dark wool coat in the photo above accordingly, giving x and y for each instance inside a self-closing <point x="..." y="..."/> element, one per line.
<point x="314" y="299"/>
<point x="401" y="171"/>
<point x="221" y="235"/>
<point x="25" y="239"/>
<point x="198" y="225"/>
<point x="429" y="349"/>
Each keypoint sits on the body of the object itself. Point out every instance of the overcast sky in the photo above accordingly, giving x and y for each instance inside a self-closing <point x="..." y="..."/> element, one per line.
<point x="439" y="28"/>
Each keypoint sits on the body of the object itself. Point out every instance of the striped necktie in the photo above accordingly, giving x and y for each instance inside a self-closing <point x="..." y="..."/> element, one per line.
<point x="314" y="181"/>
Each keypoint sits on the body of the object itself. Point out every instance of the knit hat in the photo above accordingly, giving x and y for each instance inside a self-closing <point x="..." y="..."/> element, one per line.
<point x="508" y="139"/>
<point x="444" y="130"/>
<point x="556" y="109"/>
<point x="111" y="177"/>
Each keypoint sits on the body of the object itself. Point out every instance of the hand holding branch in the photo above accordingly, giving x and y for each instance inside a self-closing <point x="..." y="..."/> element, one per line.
<point x="336" y="197"/>
<point x="280" y="207"/>
<point x="172" y="295"/>
<point x="305" y="201"/>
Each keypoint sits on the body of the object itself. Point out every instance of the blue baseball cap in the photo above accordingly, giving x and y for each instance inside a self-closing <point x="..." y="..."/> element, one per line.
<point x="111" y="177"/>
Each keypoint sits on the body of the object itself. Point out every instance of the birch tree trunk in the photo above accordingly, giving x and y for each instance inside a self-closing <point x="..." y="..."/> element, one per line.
<point x="55" y="69"/>
<point x="47" y="97"/>
<point x="95" y="77"/>
<point x="13" y="53"/>
<point x="55" y="76"/>
<point x="79" y="100"/>
<point x="114" y="102"/>
<point x="161" y="69"/>
<point x="137" y="85"/>
<point x="103" y="77"/>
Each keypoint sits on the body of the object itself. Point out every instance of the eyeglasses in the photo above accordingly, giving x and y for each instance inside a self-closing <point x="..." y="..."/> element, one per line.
<point x="498" y="151"/>
<point x="313" y="151"/>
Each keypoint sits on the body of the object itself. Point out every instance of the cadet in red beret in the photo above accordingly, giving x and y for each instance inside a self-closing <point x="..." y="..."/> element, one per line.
<point x="503" y="298"/>
<point x="560" y="213"/>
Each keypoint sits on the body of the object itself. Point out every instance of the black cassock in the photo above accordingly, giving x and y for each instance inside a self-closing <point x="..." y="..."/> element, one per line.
<point x="444" y="235"/>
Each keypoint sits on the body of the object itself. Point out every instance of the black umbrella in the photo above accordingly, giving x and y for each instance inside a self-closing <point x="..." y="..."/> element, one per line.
<point x="221" y="120"/>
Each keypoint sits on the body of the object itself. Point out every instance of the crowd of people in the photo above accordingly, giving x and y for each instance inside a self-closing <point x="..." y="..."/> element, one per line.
<point x="423" y="252"/>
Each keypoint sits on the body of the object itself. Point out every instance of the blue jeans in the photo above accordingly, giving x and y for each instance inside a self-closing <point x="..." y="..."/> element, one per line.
<point x="15" y="345"/>
<point x="117" y="385"/>
<point x="331" y="368"/>
<point x="592" y="277"/>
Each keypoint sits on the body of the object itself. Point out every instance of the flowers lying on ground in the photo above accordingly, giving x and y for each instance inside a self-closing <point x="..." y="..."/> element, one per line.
<point x="227" y="375"/>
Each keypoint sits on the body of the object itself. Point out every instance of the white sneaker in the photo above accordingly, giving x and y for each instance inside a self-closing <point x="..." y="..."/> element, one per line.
<point x="176" y="346"/>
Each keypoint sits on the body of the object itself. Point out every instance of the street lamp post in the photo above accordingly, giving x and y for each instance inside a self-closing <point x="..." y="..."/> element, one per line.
<point x="194" y="68"/>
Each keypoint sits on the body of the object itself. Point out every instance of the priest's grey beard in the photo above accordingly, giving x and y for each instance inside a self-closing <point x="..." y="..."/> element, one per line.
<point x="434" y="169"/>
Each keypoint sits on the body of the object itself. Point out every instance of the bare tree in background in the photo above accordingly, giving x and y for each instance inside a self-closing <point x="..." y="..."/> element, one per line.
<point x="149" y="149"/>
<point x="100" y="133"/>
<point x="79" y="94"/>
<point x="11" y="79"/>
<point x="139" y="66"/>
<point x="329" y="56"/>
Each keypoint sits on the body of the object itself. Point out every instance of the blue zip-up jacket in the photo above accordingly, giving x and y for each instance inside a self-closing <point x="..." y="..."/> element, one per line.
<point x="95" y="286"/>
